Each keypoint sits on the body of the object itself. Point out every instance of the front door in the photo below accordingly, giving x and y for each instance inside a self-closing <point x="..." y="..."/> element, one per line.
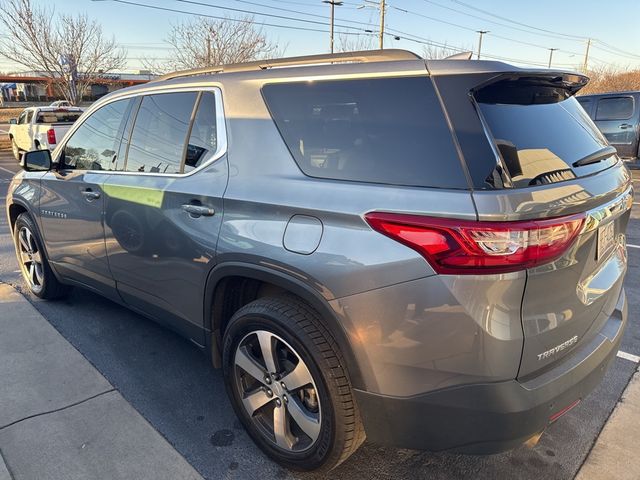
<point x="617" y="118"/>
<point x="72" y="204"/>
<point x="163" y="214"/>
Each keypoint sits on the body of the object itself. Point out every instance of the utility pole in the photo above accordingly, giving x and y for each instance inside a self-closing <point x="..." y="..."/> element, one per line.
<point x="383" y="7"/>
<point x="333" y="4"/>
<point x="551" y="50"/>
<point x="586" y="56"/>
<point x="481" y="32"/>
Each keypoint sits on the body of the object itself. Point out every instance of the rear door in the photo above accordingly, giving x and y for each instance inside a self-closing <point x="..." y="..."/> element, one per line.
<point x="617" y="118"/>
<point x="163" y="212"/>
<point x="541" y="137"/>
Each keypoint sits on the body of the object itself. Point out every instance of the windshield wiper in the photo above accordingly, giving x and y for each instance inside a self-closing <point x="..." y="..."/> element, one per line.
<point x="596" y="157"/>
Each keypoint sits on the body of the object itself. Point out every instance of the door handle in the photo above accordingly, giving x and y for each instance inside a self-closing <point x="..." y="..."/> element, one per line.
<point x="624" y="126"/>
<point x="90" y="195"/>
<point x="198" y="210"/>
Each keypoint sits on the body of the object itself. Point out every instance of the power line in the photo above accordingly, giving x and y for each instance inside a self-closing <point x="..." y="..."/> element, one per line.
<point x="485" y="12"/>
<point x="239" y="20"/>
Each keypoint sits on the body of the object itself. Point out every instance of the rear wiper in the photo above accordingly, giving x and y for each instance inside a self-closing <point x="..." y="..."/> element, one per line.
<point x="596" y="157"/>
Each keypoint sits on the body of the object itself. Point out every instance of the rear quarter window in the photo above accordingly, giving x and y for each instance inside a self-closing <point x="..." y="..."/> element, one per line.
<point x="389" y="131"/>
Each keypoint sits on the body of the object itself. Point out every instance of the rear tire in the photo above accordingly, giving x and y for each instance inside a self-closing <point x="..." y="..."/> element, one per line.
<point x="33" y="261"/>
<point x="303" y="415"/>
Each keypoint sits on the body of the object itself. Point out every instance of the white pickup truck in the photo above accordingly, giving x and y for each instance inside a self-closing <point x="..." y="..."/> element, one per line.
<point x="40" y="128"/>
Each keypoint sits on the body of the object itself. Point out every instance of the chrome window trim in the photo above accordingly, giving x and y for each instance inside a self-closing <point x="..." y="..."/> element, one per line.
<point x="221" y="128"/>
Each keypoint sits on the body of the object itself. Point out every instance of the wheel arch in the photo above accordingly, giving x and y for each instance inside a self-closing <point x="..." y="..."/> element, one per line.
<point x="215" y="317"/>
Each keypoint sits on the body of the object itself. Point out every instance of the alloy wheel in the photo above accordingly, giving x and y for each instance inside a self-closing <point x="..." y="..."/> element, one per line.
<point x="30" y="259"/>
<point x="277" y="391"/>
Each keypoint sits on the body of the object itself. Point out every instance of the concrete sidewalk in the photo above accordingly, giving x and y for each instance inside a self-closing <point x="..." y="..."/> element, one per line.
<point x="60" y="418"/>
<point x="615" y="453"/>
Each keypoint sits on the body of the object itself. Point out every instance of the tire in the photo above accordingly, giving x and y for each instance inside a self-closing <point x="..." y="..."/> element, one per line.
<point x="15" y="149"/>
<point x="332" y="426"/>
<point x="33" y="262"/>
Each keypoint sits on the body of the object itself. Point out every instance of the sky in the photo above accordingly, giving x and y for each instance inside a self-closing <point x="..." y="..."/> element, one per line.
<point x="520" y="32"/>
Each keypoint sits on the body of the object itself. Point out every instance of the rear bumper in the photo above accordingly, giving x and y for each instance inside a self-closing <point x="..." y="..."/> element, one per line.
<point x="491" y="417"/>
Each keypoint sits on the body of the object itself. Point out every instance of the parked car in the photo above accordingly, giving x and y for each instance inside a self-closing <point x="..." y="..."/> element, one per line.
<point x="617" y="115"/>
<point x="60" y="103"/>
<point x="40" y="128"/>
<point x="426" y="253"/>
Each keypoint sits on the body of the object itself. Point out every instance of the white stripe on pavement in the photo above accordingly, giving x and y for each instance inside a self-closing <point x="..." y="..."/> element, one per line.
<point x="629" y="356"/>
<point x="8" y="171"/>
<point x="633" y="246"/>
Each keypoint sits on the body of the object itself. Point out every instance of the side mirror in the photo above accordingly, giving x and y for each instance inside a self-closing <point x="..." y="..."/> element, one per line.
<point x="36" y="161"/>
<point x="13" y="121"/>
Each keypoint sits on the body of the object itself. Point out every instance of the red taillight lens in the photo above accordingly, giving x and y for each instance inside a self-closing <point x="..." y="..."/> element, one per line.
<point x="51" y="136"/>
<point x="468" y="247"/>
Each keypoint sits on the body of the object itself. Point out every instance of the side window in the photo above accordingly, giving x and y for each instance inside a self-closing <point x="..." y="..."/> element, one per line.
<point x="353" y="130"/>
<point x="29" y="116"/>
<point x="159" y="133"/>
<point x="94" y="145"/>
<point x="203" y="140"/>
<point x="22" y="118"/>
<point x="615" y="108"/>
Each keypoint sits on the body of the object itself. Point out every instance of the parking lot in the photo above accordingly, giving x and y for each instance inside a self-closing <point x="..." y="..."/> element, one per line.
<point x="173" y="386"/>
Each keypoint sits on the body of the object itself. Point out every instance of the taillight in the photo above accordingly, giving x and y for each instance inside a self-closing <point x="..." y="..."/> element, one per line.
<point x="469" y="247"/>
<point x="51" y="136"/>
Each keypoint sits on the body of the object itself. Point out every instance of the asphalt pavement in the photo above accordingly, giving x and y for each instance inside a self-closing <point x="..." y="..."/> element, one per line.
<point x="167" y="380"/>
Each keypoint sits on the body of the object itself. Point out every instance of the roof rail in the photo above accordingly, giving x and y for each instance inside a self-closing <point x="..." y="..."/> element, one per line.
<point x="345" y="57"/>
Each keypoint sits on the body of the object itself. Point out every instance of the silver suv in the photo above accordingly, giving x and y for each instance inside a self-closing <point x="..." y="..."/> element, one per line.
<point x="428" y="253"/>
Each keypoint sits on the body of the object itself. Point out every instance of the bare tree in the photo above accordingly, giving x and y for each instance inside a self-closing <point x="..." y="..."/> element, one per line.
<point x="433" y="52"/>
<point x="204" y="42"/>
<point x="356" y="43"/>
<point x="40" y="40"/>
<point x="611" y="79"/>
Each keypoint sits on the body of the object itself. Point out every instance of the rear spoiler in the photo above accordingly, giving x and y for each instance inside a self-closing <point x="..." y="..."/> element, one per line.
<point x="529" y="87"/>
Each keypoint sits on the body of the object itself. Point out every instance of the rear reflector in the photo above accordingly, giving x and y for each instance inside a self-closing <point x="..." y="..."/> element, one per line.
<point x="51" y="136"/>
<point x="469" y="247"/>
<point x="557" y="415"/>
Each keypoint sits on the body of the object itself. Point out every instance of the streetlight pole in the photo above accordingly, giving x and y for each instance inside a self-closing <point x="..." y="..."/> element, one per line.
<point x="551" y="50"/>
<point x="333" y="4"/>
<point x="481" y="32"/>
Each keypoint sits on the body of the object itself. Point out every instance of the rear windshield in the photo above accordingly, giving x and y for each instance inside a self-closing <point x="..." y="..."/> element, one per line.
<point x="57" y="117"/>
<point x="539" y="143"/>
<point x="386" y="130"/>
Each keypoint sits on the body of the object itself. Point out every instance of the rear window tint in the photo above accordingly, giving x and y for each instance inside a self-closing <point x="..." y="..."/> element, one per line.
<point x="389" y="131"/>
<point x="539" y="143"/>
<point x="57" y="117"/>
<point x="615" y="108"/>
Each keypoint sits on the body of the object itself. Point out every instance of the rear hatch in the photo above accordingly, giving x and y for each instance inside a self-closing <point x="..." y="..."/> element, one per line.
<point x="548" y="160"/>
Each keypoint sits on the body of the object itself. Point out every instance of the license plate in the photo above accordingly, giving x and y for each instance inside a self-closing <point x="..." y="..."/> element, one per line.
<point x="605" y="239"/>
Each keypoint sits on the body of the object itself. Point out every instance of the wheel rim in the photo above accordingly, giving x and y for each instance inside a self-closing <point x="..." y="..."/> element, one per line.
<point x="277" y="391"/>
<point x="30" y="259"/>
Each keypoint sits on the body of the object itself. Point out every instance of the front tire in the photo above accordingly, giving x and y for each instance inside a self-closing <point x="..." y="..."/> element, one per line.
<point x="34" y="265"/>
<point x="15" y="149"/>
<point x="288" y="384"/>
